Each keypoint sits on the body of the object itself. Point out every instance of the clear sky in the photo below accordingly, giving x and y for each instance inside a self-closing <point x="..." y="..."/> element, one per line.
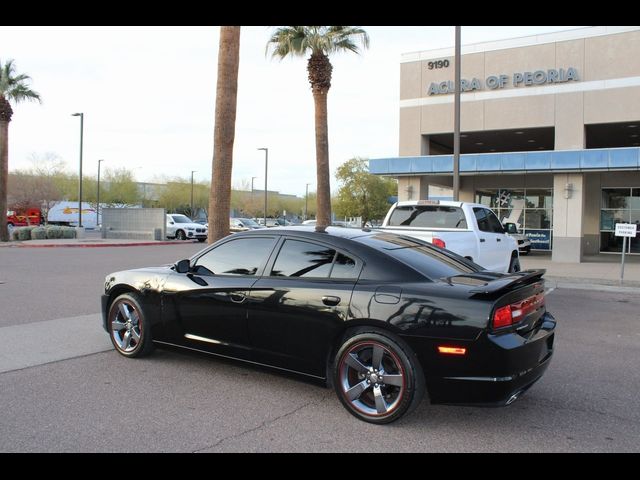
<point x="148" y="97"/>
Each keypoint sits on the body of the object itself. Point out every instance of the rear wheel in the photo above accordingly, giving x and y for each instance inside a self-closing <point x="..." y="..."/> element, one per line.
<point x="377" y="377"/>
<point x="128" y="326"/>
<point x="514" y="266"/>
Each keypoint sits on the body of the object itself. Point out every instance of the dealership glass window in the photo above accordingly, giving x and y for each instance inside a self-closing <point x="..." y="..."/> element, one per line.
<point x="619" y="205"/>
<point x="531" y="209"/>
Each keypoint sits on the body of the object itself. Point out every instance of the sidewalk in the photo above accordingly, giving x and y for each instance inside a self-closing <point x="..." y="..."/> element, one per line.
<point x="92" y="238"/>
<point x="600" y="272"/>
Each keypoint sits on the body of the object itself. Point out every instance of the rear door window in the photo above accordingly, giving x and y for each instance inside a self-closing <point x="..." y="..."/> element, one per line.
<point x="303" y="259"/>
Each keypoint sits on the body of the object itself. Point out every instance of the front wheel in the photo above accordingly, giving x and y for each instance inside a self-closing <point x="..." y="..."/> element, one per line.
<point x="377" y="377"/>
<point x="180" y="235"/>
<point x="128" y="326"/>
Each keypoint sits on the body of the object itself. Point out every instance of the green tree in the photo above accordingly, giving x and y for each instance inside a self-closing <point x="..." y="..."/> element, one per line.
<point x="13" y="88"/>
<point x="362" y="194"/>
<point x="224" y="132"/>
<point x="119" y="188"/>
<point x="320" y="42"/>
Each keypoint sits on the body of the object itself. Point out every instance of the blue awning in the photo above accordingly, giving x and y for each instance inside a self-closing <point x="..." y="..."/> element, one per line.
<point x="512" y="162"/>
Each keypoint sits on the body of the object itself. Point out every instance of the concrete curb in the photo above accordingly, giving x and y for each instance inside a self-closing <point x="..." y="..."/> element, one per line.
<point x="570" y="283"/>
<point x="94" y="245"/>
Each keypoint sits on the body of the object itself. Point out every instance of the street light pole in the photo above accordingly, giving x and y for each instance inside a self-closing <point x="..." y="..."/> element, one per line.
<point x="306" y="198"/>
<point x="456" y="121"/>
<point x="266" y="162"/>
<point x="81" y="115"/>
<point x="98" y="196"/>
<point x="192" y="172"/>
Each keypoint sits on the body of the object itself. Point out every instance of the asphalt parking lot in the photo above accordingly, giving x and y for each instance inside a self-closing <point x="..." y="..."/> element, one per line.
<point x="175" y="401"/>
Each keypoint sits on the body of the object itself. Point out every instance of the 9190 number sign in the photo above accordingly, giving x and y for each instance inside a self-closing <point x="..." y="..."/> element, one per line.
<point x="438" y="64"/>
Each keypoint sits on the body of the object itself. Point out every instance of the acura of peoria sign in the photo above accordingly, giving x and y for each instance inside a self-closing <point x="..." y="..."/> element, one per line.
<point x="518" y="79"/>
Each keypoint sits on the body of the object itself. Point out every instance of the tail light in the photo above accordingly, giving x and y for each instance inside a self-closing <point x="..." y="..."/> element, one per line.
<point x="513" y="313"/>
<point x="438" y="242"/>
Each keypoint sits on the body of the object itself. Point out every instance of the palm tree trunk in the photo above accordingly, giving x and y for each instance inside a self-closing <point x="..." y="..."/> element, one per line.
<point x="4" y="175"/>
<point x="224" y="132"/>
<point x="323" y="199"/>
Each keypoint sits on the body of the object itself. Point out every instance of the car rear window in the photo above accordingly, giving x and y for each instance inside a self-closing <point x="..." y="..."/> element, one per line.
<point x="428" y="216"/>
<point x="431" y="261"/>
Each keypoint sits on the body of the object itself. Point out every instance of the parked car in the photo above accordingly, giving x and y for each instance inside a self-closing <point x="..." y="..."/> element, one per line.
<point x="243" y="224"/>
<point x="469" y="229"/>
<point x="183" y="228"/>
<point x="524" y="244"/>
<point x="336" y="223"/>
<point x="380" y="317"/>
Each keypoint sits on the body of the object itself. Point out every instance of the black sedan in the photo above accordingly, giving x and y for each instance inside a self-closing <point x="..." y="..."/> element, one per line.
<point x="380" y="317"/>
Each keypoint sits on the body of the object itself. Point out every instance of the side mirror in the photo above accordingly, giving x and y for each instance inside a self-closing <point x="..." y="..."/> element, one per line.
<point x="511" y="228"/>
<point x="183" y="266"/>
<point x="170" y="222"/>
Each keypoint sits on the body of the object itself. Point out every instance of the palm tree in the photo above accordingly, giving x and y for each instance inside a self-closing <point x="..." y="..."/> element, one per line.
<point x="320" y="42"/>
<point x="224" y="132"/>
<point x="12" y="88"/>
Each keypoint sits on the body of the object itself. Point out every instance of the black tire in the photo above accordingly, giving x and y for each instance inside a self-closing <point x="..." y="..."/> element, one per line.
<point x="362" y="387"/>
<point x="201" y="240"/>
<point x="127" y="313"/>
<point x="514" y="265"/>
<point x="180" y="235"/>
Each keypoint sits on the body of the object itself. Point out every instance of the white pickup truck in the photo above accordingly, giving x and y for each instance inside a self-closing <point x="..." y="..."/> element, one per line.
<point x="468" y="229"/>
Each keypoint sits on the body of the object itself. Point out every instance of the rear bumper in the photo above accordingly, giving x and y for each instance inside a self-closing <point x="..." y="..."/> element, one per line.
<point x="496" y="371"/>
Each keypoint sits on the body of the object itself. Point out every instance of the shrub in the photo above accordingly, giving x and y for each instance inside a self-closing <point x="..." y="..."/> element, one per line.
<point x="54" y="231"/>
<point x="38" y="233"/>
<point x="68" y="232"/>
<point x="24" y="233"/>
<point x="14" y="234"/>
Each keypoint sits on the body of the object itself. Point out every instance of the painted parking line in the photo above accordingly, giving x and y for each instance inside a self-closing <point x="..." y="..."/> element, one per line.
<point x="37" y="343"/>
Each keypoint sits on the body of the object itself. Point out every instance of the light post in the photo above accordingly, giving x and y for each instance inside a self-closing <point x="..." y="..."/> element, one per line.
<point x="81" y="115"/>
<point x="252" y="210"/>
<point x="98" y="196"/>
<point x="306" y="197"/>
<point x="192" y="172"/>
<point x="456" y="120"/>
<point x="266" y="162"/>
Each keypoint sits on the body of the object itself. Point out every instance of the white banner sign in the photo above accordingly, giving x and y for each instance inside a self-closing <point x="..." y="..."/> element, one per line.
<point x="626" y="229"/>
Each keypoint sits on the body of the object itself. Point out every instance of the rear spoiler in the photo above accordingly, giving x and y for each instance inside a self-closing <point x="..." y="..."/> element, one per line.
<point x="484" y="284"/>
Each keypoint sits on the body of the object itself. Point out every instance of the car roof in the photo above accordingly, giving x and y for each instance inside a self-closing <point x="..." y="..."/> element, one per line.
<point x="310" y="231"/>
<point x="444" y="203"/>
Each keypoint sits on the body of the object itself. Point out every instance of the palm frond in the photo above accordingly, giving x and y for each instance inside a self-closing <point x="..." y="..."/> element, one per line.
<point x="14" y="87"/>
<point x="299" y="40"/>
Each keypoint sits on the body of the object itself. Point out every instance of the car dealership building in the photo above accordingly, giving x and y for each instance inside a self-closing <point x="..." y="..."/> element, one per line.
<point x="550" y="134"/>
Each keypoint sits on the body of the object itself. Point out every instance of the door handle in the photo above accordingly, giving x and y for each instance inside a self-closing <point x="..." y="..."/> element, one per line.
<point x="330" y="300"/>
<point x="237" y="297"/>
<point x="482" y="240"/>
<point x="498" y="239"/>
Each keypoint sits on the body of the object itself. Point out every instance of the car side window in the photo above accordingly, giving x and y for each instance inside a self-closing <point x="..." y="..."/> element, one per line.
<point x="303" y="259"/>
<point x="243" y="256"/>
<point x="483" y="220"/>
<point x="494" y="223"/>
<point x="345" y="267"/>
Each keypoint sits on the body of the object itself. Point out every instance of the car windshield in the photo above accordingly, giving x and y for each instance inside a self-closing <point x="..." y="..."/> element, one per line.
<point x="248" y="222"/>
<point x="181" y="219"/>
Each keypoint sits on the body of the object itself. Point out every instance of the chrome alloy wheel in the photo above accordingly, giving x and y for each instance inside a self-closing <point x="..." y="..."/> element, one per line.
<point x="125" y="326"/>
<point x="372" y="379"/>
